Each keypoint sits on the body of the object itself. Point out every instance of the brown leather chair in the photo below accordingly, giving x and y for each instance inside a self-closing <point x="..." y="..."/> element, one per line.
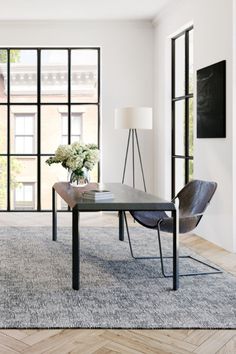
<point x="193" y="201"/>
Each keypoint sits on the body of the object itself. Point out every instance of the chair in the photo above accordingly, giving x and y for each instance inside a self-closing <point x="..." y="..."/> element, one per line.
<point x="193" y="201"/>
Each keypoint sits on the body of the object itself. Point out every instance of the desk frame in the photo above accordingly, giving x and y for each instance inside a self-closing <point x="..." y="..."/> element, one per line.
<point x="99" y="207"/>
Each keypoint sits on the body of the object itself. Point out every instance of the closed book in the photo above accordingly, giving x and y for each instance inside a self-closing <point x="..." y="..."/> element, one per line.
<point x="97" y="194"/>
<point x="96" y="199"/>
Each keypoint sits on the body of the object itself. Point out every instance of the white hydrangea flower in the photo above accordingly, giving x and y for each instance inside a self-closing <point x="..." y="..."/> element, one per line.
<point x="76" y="157"/>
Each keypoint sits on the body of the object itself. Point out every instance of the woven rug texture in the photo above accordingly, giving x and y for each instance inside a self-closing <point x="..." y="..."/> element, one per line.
<point x="116" y="290"/>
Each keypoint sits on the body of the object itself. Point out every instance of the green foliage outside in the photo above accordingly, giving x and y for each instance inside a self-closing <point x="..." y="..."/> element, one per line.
<point x="14" y="56"/>
<point x="15" y="170"/>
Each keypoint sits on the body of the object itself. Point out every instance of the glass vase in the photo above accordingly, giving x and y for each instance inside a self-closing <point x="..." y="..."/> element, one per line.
<point x="79" y="178"/>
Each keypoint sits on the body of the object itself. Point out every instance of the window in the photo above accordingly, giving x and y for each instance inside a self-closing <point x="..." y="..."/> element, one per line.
<point x="48" y="96"/>
<point x="24" y="196"/>
<point x="182" y="110"/>
<point x="76" y="127"/>
<point x="24" y="134"/>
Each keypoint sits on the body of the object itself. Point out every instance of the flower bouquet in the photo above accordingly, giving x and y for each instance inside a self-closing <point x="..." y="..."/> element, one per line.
<point x="78" y="159"/>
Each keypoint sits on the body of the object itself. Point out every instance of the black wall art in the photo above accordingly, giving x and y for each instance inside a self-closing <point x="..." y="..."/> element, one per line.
<point x="211" y="101"/>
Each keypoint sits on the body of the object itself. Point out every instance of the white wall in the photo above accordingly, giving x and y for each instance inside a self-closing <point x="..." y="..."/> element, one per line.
<point x="213" y="158"/>
<point x="234" y="123"/>
<point x="126" y="74"/>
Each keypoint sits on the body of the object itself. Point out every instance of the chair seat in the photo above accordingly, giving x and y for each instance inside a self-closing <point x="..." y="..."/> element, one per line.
<point x="150" y="219"/>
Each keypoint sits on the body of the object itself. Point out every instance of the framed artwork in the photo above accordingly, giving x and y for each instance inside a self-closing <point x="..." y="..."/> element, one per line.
<point x="211" y="101"/>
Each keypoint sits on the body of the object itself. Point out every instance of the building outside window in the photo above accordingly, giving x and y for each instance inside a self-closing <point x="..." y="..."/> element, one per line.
<point x="24" y="134"/>
<point x="24" y="196"/>
<point x="48" y="96"/>
<point x="76" y="127"/>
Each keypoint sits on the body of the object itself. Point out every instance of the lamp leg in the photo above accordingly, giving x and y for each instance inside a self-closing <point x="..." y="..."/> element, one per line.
<point x="140" y="160"/>
<point x="126" y="156"/>
<point x="133" y="162"/>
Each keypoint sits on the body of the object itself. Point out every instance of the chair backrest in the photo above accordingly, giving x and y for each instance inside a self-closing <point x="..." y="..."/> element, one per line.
<point x="195" y="197"/>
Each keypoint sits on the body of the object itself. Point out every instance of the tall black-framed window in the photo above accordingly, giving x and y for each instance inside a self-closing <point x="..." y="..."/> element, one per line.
<point x="48" y="96"/>
<point x="182" y="110"/>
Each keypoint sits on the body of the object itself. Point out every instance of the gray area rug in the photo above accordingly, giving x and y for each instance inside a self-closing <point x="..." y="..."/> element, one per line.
<point x="116" y="291"/>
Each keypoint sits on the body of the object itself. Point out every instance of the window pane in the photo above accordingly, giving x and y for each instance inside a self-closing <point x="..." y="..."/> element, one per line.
<point x="19" y="193"/>
<point x="3" y="130"/>
<point x="64" y="139"/>
<point x="54" y="75"/>
<point x="180" y="127"/>
<point x="3" y="183"/>
<point x="191" y="170"/>
<point x="88" y="123"/>
<point x="23" y="129"/>
<point x="24" y="124"/>
<point x="29" y="124"/>
<point x="49" y="176"/>
<point x="3" y="75"/>
<point x="24" y="196"/>
<point x="28" y="145"/>
<point x="75" y="138"/>
<point x="76" y="127"/>
<point x="84" y="75"/>
<point x="64" y="124"/>
<point x="191" y="61"/>
<point x="23" y="75"/>
<point x="19" y="144"/>
<point x="191" y="128"/>
<point x="19" y="125"/>
<point x="180" y="66"/>
<point x="179" y="174"/>
<point x="23" y="182"/>
<point x="76" y="123"/>
<point x="28" y="193"/>
<point x="51" y="127"/>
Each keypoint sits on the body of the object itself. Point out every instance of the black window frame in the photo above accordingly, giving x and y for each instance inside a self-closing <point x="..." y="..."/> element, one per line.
<point x="186" y="98"/>
<point x="38" y="104"/>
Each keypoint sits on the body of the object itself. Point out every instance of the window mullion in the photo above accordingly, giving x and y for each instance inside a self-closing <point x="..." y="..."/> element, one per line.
<point x="186" y="105"/>
<point x="8" y="135"/>
<point x="39" y="129"/>
<point x="69" y="96"/>
<point x="173" y="121"/>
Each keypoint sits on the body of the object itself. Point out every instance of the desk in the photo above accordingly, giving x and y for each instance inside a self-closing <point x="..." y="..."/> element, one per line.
<point x="125" y="199"/>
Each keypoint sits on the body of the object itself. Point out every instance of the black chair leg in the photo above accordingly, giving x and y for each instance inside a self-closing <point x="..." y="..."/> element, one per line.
<point x="161" y="257"/>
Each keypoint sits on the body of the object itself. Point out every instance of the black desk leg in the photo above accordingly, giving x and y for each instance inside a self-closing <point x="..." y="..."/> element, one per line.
<point x="75" y="250"/>
<point x="176" y="250"/>
<point x="121" y="225"/>
<point x="54" y="215"/>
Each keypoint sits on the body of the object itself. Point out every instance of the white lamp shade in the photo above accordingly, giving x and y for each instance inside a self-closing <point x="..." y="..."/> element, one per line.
<point x="133" y="118"/>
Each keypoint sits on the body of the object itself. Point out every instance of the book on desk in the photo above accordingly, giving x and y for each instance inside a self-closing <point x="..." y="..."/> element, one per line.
<point x="98" y="194"/>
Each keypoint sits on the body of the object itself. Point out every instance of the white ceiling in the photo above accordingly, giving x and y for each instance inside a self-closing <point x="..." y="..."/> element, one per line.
<point x="81" y="9"/>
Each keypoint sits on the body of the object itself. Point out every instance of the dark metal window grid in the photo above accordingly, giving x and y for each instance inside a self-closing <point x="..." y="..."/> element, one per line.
<point x="186" y="98"/>
<point x="67" y="103"/>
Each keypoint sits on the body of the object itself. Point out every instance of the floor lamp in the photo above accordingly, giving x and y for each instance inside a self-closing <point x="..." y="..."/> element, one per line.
<point x="133" y="118"/>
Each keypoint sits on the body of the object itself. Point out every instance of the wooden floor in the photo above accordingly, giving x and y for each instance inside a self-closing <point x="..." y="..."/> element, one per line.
<point x="84" y="341"/>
